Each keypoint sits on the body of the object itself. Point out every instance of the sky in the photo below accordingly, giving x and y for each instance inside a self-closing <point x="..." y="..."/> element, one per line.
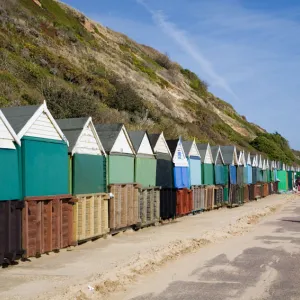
<point x="247" y="50"/>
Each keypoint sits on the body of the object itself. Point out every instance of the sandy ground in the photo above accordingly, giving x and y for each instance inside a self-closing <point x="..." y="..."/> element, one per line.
<point x="111" y="265"/>
<point x="260" y="265"/>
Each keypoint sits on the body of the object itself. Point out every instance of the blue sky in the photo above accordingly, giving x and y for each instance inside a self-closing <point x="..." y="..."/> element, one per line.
<point x="247" y="50"/>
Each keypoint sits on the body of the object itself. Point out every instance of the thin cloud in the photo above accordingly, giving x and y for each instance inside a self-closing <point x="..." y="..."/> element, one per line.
<point x="180" y="37"/>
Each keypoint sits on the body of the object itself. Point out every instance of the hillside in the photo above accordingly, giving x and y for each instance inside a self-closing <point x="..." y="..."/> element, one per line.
<point x="50" y="51"/>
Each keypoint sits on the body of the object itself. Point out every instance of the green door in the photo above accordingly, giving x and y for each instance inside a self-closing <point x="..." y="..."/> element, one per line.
<point x="10" y="188"/>
<point x="44" y="167"/>
<point x="120" y="169"/>
<point x="208" y="174"/>
<point x="89" y="174"/>
<point x="145" y="171"/>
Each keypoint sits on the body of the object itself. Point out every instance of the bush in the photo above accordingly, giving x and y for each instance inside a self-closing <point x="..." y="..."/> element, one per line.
<point x="125" y="98"/>
<point x="275" y="146"/>
<point x="68" y="102"/>
<point x="198" y="85"/>
<point x="163" y="60"/>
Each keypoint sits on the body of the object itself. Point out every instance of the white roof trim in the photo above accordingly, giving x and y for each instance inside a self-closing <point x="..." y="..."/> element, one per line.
<point x="242" y="158"/>
<point x="165" y="142"/>
<point x="220" y="153"/>
<point x="194" y="144"/>
<point x="210" y="153"/>
<point x="40" y="110"/>
<point x="235" y="160"/>
<point x="127" y="138"/>
<point x="90" y="122"/>
<point x="9" y="128"/>
<point x="249" y="159"/>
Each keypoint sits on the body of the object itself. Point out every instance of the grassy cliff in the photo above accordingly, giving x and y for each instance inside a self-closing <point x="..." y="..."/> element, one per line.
<point x="50" y="51"/>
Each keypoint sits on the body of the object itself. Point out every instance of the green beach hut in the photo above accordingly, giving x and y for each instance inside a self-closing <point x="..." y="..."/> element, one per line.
<point x="120" y="151"/>
<point x="208" y="177"/>
<point x="87" y="157"/>
<point x="10" y="181"/>
<point x="241" y="173"/>
<point x="221" y="170"/>
<point x="145" y="162"/>
<point x="44" y="150"/>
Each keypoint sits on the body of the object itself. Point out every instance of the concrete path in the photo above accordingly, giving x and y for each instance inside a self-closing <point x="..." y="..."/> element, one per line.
<point x="263" y="264"/>
<point x="112" y="264"/>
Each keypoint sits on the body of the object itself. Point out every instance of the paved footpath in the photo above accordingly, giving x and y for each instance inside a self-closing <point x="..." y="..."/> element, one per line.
<point x="262" y="264"/>
<point x="227" y="270"/>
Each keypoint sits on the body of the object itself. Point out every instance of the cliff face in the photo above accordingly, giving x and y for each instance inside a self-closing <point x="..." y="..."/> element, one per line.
<point x="50" y="51"/>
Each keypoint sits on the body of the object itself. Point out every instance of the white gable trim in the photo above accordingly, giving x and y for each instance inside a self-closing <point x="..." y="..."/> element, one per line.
<point x="123" y="129"/>
<point x="9" y="128"/>
<point x="235" y="160"/>
<point x="260" y="163"/>
<point x="249" y="159"/>
<point x="219" y="153"/>
<point x="162" y="137"/>
<point x="42" y="109"/>
<point x="254" y="163"/>
<point x="90" y="123"/>
<point x="208" y="155"/>
<point x="264" y="165"/>
<point x="242" y="158"/>
<point x="145" y="143"/>
<point x="182" y="160"/>
<point x="195" y="148"/>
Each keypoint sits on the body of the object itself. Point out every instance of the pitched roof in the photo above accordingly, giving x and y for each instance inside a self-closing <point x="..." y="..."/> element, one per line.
<point x="172" y="144"/>
<point x="136" y="138"/>
<point x="9" y="128"/>
<point x="228" y="152"/>
<point x="153" y="138"/>
<point x="202" y="150"/>
<point x="18" y="116"/>
<point x="214" y="151"/>
<point x="72" y="129"/>
<point x="108" y="134"/>
<point x="187" y="145"/>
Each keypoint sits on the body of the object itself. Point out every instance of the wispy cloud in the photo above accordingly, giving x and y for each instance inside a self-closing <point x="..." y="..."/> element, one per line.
<point x="182" y="39"/>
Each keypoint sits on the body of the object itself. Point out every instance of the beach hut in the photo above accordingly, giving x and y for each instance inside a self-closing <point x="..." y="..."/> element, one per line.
<point x="121" y="153"/>
<point x="207" y="164"/>
<point x="265" y="170"/>
<point x="164" y="165"/>
<point x="10" y="194"/>
<point x="241" y="168"/>
<point x="282" y="178"/>
<point x="87" y="157"/>
<point x="145" y="175"/>
<point x="260" y="169"/>
<point x="193" y="155"/>
<point x="180" y="164"/>
<point x="145" y="162"/>
<point x="44" y="171"/>
<point x="87" y="178"/>
<point x="249" y="168"/>
<point x="231" y="160"/>
<point x="124" y="205"/>
<point x="254" y="164"/>
<point x="44" y="150"/>
<point x="220" y="169"/>
<point x="221" y="176"/>
<point x="184" y="199"/>
<point x="164" y="175"/>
